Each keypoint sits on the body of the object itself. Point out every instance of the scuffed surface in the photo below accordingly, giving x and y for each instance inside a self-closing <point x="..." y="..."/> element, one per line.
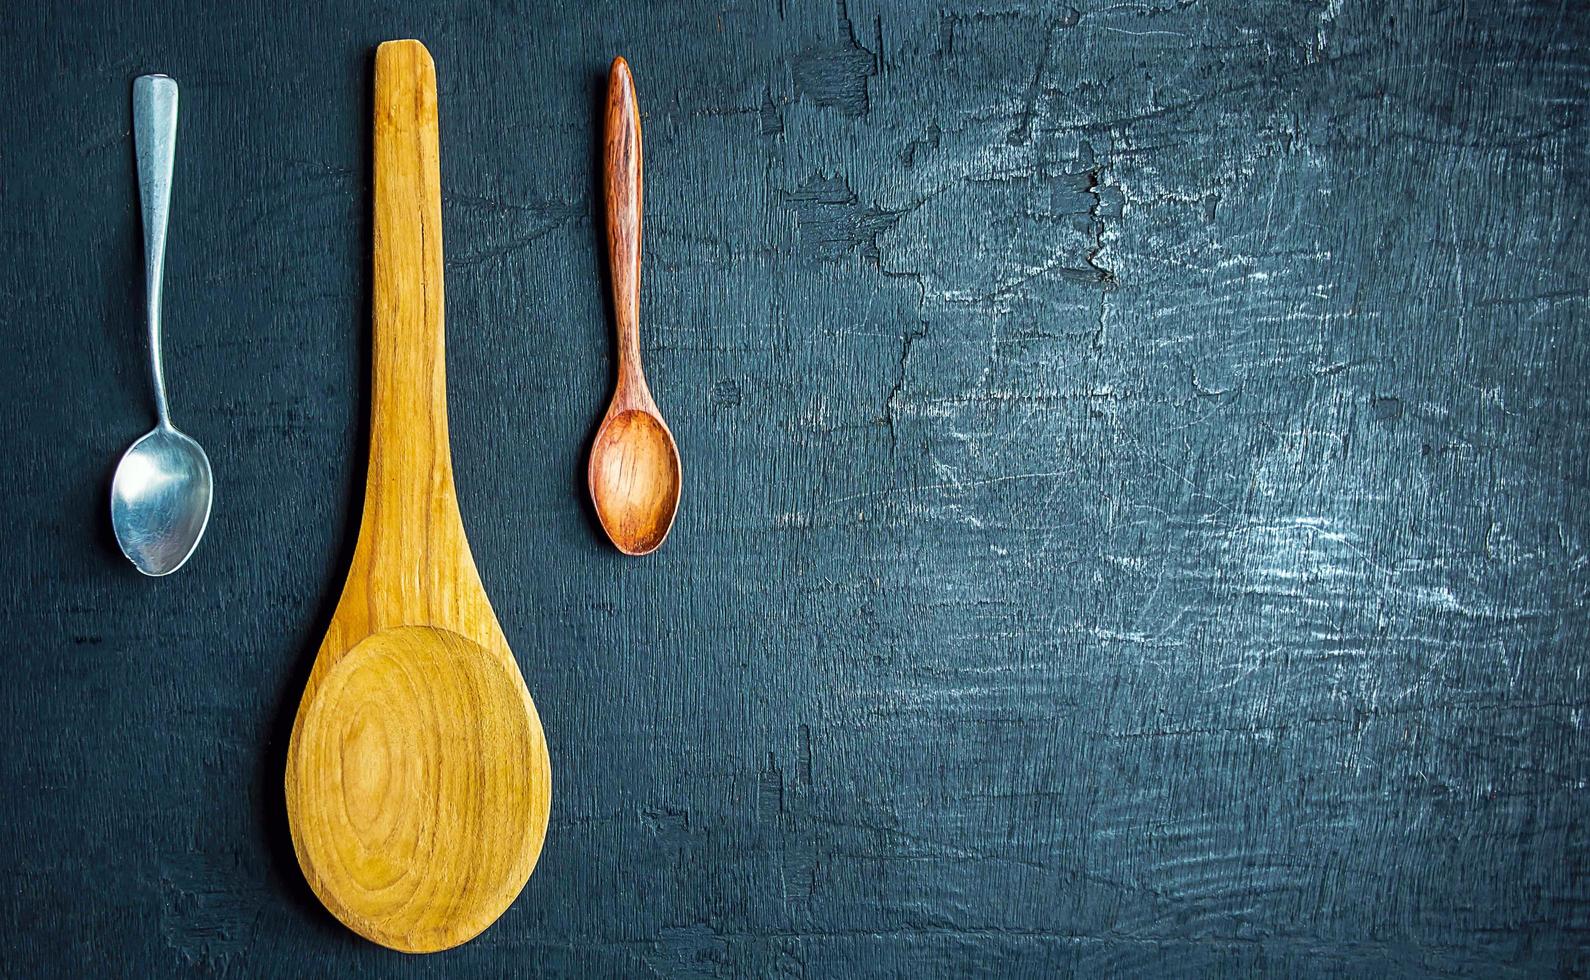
<point x="1135" y="483"/>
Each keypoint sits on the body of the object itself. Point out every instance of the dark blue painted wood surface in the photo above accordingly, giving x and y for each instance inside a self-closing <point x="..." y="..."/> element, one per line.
<point x="1135" y="506"/>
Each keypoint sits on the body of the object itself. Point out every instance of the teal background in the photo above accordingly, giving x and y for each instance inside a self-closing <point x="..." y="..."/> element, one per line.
<point x="1135" y="495"/>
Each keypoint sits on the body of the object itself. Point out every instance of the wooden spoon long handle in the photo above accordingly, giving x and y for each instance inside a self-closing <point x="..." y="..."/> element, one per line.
<point x="410" y="477"/>
<point x="623" y="185"/>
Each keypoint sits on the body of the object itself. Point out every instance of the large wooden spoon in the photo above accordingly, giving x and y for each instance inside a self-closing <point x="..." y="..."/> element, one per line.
<point x="418" y="783"/>
<point x="634" y="468"/>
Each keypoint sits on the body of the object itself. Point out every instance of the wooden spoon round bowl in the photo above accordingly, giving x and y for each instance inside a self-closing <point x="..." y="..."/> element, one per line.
<point x="417" y="778"/>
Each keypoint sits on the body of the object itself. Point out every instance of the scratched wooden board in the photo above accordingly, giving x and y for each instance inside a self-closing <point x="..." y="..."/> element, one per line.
<point x="1135" y="483"/>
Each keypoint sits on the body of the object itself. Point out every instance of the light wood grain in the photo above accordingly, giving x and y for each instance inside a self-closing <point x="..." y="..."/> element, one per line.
<point x="634" y="471"/>
<point x="418" y="783"/>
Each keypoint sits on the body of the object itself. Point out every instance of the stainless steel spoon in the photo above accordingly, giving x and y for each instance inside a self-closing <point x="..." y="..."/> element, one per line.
<point x="160" y="497"/>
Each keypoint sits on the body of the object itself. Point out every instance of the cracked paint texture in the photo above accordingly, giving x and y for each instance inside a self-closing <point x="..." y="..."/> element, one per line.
<point x="1135" y="498"/>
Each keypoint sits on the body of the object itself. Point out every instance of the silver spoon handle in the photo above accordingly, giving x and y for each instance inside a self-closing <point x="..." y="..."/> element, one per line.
<point x="155" y="139"/>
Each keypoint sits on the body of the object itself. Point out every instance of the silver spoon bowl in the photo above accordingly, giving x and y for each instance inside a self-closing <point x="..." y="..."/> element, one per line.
<point x="160" y="500"/>
<point x="160" y="496"/>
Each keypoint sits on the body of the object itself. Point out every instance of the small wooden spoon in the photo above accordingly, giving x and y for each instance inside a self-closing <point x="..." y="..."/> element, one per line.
<point x="634" y="468"/>
<point x="418" y="783"/>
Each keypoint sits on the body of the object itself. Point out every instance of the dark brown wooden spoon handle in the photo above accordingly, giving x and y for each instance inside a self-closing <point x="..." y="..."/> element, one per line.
<point x="623" y="183"/>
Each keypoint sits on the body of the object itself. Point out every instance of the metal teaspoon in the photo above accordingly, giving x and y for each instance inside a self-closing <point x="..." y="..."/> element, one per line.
<point x="160" y="496"/>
